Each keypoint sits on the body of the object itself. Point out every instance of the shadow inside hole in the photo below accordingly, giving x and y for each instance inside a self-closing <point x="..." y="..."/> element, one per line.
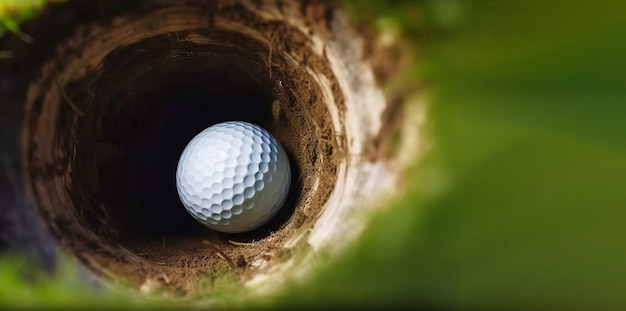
<point x="152" y="157"/>
<point x="156" y="126"/>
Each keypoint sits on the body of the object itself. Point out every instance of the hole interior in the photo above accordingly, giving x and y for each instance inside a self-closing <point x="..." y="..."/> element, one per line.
<point x="150" y="121"/>
<point x="125" y="120"/>
<point x="142" y="84"/>
<point x="147" y="114"/>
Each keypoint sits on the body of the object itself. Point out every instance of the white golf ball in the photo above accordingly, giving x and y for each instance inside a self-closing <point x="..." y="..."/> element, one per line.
<point x="233" y="177"/>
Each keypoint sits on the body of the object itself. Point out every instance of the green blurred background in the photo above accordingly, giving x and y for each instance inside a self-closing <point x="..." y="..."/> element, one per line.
<point x="521" y="202"/>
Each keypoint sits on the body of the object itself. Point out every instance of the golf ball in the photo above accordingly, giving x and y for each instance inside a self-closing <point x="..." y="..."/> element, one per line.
<point x="233" y="177"/>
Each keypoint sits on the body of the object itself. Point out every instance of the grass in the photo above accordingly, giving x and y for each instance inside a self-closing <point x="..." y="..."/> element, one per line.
<point x="42" y="291"/>
<point x="520" y="205"/>
<point x="14" y="12"/>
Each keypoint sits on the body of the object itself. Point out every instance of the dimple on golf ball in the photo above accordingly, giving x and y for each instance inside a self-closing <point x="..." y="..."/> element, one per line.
<point x="233" y="177"/>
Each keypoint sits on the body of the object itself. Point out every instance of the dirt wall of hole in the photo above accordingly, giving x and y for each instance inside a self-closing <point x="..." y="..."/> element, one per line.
<point x="85" y="83"/>
<point x="92" y="96"/>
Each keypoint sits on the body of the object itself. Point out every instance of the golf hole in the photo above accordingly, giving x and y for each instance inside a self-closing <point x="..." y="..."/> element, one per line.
<point x="109" y="110"/>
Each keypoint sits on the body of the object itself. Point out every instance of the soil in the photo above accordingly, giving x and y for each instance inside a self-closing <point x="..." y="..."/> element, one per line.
<point x="113" y="90"/>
